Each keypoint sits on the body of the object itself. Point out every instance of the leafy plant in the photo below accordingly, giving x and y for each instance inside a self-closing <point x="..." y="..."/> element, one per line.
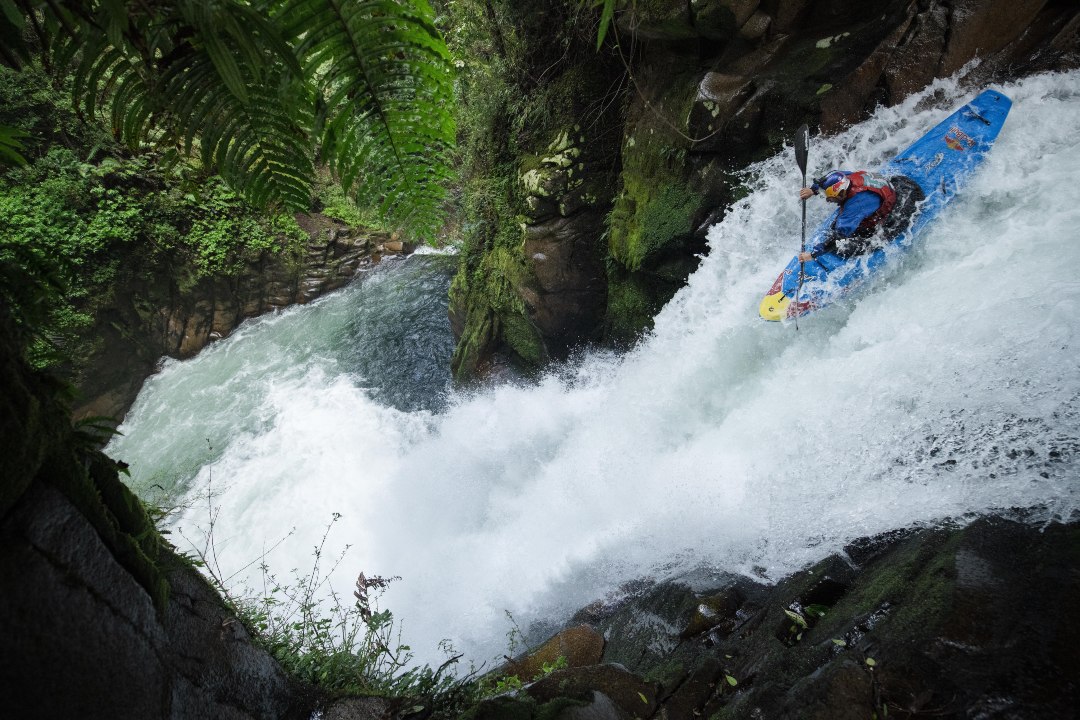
<point x="261" y="89"/>
<point x="800" y="619"/>
<point x="73" y="231"/>
<point x="318" y="636"/>
<point x="11" y="146"/>
<point x="501" y="685"/>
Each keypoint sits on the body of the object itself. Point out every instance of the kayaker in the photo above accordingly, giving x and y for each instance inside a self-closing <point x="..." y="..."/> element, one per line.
<point x="865" y="201"/>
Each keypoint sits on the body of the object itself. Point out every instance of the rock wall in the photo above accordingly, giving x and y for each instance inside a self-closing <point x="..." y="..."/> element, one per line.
<point x="541" y="126"/>
<point x="938" y="623"/>
<point x="704" y="88"/>
<point x="162" y="311"/>
<point x="100" y="618"/>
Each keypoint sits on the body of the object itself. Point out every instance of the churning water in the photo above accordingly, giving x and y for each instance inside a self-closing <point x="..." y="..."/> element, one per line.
<point x="949" y="389"/>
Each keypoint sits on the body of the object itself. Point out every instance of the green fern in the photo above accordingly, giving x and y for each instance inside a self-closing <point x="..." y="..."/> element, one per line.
<point x="384" y="79"/>
<point x="261" y="89"/>
<point x="11" y="146"/>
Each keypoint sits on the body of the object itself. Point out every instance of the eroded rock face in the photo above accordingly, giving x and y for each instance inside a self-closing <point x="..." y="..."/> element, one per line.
<point x="100" y="619"/>
<point x="160" y="314"/>
<point x="937" y="623"/>
<point x="83" y="639"/>
<point x="567" y="197"/>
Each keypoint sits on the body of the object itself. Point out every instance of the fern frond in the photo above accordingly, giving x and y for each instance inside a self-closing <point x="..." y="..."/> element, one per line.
<point x="386" y="84"/>
<point x="259" y="143"/>
<point x="11" y="147"/>
<point x="257" y="85"/>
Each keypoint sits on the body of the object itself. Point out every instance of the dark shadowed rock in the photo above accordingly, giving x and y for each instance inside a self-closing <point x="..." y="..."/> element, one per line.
<point x="628" y="691"/>
<point x="961" y="623"/>
<point x="568" y="302"/>
<point x="157" y="313"/>
<point x="364" y="708"/>
<point x="600" y="707"/>
<point x="83" y="638"/>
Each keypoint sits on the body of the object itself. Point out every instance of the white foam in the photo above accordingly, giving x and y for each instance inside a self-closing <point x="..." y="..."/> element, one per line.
<point x="721" y="440"/>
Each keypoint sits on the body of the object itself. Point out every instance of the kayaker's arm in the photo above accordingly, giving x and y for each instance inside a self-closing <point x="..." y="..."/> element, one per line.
<point x="821" y="248"/>
<point x="846" y="224"/>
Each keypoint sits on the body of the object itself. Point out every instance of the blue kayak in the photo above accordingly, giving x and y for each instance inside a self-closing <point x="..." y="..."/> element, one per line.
<point x="926" y="176"/>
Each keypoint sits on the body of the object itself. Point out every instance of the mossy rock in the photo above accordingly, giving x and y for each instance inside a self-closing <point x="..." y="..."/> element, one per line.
<point x="632" y="304"/>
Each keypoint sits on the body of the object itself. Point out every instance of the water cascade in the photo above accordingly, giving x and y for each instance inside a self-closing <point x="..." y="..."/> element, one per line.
<point x="721" y="443"/>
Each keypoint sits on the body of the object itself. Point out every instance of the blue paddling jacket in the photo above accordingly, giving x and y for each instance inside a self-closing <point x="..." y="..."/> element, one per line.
<point x="851" y="221"/>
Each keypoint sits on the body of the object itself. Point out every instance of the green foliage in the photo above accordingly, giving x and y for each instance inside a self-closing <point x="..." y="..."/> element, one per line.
<point x="336" y="203"/>
<point x="607" y="12"/>
<point x="647" y="217"/>
<point x="323" y="639"/>
<point x="71" y="230"/>
<point x="494" y="685"/>
<point x="503" y="685"/>
<point x="631" y="305"/>
<point x="385" y="79"/>
<point x="802" y="618"/>
<point x="260" y="89"/>
<point x="11" y="146"/>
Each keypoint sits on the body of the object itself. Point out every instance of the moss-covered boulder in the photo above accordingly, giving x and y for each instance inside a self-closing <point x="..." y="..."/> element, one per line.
<point x="540" y="154"/>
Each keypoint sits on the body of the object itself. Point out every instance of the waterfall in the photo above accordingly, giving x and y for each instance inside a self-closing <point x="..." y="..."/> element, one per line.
<point x="721" y="443"/>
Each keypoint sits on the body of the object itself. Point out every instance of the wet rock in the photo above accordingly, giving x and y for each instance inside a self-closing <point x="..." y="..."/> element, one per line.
<point x="158" y="315"/>
<point x="718" y="98"/>
<point x="716" y="611"/>
<point x="756" y="27"/>
<point x="571" y="285"/>
<point x="646" y="628"/>
<point x="700" y="685"/>
<point x="970" y="622"/>
<point x="627" y="691"/>
<point x="363" y="708"/>
<point x="600" y="707"/>
<point x="579" y="646"/>
<point x="983" y="27"/>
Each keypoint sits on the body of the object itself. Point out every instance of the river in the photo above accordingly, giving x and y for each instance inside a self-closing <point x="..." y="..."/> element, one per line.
<point x="720" y="443"/>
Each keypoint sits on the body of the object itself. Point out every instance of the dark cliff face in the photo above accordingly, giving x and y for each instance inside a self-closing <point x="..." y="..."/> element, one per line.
<point x="100" y="618"/>
<point x="163" y="311"/>
<point x="595" y="240"/>
<point x="931" y="624"/>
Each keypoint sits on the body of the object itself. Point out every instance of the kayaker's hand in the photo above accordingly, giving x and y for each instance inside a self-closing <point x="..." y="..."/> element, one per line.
<point x="805" y="193"/>
<point x="805" y="257"/>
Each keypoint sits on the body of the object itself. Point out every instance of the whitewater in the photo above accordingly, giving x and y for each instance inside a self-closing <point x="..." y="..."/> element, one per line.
<point x="720" y="443"/>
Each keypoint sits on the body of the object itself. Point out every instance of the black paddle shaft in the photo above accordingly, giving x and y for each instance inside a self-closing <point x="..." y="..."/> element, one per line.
<point x="802" y="141"/>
